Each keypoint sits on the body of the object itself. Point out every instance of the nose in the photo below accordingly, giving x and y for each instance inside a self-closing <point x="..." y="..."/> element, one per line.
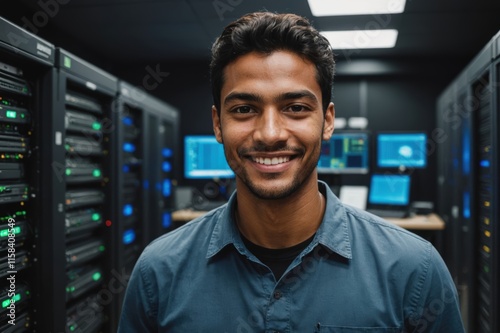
<point x="270" y="127"/>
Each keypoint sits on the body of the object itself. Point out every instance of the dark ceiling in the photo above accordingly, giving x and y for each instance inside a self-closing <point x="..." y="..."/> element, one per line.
<point x="128" y="32"/>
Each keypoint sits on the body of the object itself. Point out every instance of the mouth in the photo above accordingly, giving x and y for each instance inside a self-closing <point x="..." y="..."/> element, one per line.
<point x="271" y="160"/>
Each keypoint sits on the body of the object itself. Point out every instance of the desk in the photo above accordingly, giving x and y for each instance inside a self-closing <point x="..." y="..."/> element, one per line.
<point x="420" y="222"/>
<point x="417" y="222"/>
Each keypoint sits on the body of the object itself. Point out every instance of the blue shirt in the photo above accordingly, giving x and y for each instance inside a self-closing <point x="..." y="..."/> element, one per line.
<point x="359" y="274"/>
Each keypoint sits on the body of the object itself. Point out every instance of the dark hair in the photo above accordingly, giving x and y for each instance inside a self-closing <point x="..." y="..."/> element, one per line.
<point x="267" y="32"/>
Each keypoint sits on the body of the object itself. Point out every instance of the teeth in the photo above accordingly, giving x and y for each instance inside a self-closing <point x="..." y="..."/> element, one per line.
<point x="271" y="161"/>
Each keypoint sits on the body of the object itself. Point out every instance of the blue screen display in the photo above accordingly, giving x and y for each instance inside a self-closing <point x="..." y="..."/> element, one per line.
<point x="389" y="190"/>
<point x="204" y="158"/>
<point x="396" y="150"/>
<point x="345" y="153"/>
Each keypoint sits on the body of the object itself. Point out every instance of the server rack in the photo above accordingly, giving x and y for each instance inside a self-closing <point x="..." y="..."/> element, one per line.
<point x="79" y="244"/>
<point x="472" y="124"/>
<point x="162" y="124"/>
<point x="145" y="167"/>
<point x="26" y="63"/>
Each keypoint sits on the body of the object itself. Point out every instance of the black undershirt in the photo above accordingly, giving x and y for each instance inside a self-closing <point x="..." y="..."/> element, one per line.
<point x="277" y="260"/>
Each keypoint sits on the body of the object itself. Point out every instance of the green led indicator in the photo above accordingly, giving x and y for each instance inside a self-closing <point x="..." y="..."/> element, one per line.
<point x="68" y="172"/>
<point x="96" y="126"/>
<point x="67" y="62"/>
<point x="67" y="147"/>
<point x="96" y="217"/>
<point x="11" y="114"/>
<point x="102" y="248"/>
<point x="22" y="115"/>
<point x="5" y="232"/>
<point x="486" y="269"/>
<point x="6" y="302"/>
<point x="96" y="276"/>
<point x="72" y="328"/>
<point x="96" y="173"/>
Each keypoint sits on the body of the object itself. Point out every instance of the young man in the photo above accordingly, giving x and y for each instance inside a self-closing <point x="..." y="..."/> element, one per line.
<point x="284" y="255"/>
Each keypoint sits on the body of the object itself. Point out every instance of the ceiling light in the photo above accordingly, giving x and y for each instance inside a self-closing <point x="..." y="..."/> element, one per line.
<point x="361" y="39"/>
<point x="355" y="7"/>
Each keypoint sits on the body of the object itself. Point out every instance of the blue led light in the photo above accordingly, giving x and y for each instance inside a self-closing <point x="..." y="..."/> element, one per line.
<point x="167" y="152"/>
<point x="128" y="236"/>
<point x="167" y="220"/>
<point x="126" y="168"/>
<point x="128" y="121"/>
<point x="166" y="166"/>
<point x="128" y="147"/>
<point x="128" y="210"/>
<point x="466" y="203"/>
<point x="167" y="188"/>
<point x="145" y="184"/>
<point x="484" y="163"/>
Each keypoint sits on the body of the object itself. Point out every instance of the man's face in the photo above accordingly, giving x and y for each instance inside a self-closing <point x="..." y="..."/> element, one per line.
<point x="271" y="122"/>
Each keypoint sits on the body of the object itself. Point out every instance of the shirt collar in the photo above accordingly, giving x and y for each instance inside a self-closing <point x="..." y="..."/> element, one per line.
<point x="332" y="233"/>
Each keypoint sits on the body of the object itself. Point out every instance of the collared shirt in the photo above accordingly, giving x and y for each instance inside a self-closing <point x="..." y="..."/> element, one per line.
<point x="359" y="274"/>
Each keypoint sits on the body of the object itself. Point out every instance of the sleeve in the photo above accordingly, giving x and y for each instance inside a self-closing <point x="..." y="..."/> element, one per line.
<point x="140" y="305"/>
<point x="437" y="307"/>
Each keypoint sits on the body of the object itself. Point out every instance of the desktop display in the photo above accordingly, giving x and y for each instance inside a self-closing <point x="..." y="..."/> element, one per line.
<point x="401" y="150"/>
<point x="204" y="158"/>
<point x="389" y="190"/>
<point x="345" y="153"/>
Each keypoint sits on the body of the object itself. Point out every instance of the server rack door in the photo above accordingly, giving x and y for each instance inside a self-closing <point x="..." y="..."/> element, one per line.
<point x="466" y="230"/>
<point x="25" y="97"/>
<point x="85" y="105"/>
<point x="485" y="203"/>
<point x="131" y="194"/>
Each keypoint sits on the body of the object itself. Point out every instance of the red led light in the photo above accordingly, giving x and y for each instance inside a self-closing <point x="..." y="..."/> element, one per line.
<point x="108" y="223"/>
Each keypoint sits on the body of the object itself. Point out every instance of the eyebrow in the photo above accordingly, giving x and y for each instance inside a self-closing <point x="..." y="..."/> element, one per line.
<point x="249" y="97"/>
<point x="242" y="97"/>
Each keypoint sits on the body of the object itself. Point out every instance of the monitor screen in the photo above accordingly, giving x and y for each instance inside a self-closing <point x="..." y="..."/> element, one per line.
<point x="204" y="158"/>
<point x="345" y="153"/>
<point x="389" y="190"/>
<point x="401" y="150"/>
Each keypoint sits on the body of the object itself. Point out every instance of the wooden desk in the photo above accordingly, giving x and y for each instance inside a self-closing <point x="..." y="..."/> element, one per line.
<point x="185" y="215"/>
<point x="417" y="222"/>
<point x="420" y="222"/>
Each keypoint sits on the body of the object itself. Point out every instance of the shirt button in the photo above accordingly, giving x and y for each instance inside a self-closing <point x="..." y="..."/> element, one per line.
<point x="277" y="294"/>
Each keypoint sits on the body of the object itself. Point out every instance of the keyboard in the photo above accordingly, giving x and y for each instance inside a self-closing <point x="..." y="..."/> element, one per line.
<point x="398" y="214"/>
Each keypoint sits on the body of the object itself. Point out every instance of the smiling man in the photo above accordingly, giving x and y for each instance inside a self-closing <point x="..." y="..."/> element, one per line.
<point x="284" y="254"/>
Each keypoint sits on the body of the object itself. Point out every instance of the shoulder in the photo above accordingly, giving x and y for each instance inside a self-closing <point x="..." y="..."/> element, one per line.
<point x="187" y="240"/>
<point x="384" y="236"/>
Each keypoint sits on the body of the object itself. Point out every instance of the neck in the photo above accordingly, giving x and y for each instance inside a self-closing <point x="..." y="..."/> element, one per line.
<point x="280" y="223"/>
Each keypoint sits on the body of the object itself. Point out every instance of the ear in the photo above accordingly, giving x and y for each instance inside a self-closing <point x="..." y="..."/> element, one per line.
<point x="216" y="124"/>
<point x="329" y="122"/>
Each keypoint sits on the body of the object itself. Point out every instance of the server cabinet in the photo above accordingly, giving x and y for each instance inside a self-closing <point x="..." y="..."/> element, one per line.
<point x="468" y="111"/>
<point x="162" y="124"/>
<point x="79" y="193"/>
<point x="26" y="67"/>
<point x="145" y="166"/>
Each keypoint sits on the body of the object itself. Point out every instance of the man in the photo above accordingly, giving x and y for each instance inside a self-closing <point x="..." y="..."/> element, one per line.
<point x="284" y="255"/>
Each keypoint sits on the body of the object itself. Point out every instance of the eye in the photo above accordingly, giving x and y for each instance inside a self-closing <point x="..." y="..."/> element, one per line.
<point x="297" y="108"/>
<point x="242" y="109"/>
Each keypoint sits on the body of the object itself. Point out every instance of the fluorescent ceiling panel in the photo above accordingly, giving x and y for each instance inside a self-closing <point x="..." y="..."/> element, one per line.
<point x="361" y="39"/>
<point x="355" y="7"/>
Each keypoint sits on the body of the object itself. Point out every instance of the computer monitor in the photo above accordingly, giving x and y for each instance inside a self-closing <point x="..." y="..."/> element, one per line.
<point x="204" y="158"/>
<point x="345" y="152"/>
<point x="389" y="190"/>
<point x="401" y="150"/>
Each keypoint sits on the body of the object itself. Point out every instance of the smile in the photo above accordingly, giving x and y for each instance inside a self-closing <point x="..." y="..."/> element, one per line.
<point x="271" y="161"/>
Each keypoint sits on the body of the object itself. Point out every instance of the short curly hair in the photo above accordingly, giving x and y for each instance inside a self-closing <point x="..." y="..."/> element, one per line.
<point x="267" y="32"/>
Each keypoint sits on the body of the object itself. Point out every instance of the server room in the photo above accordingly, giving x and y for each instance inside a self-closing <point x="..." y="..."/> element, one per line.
<point x="249" y="166"/>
